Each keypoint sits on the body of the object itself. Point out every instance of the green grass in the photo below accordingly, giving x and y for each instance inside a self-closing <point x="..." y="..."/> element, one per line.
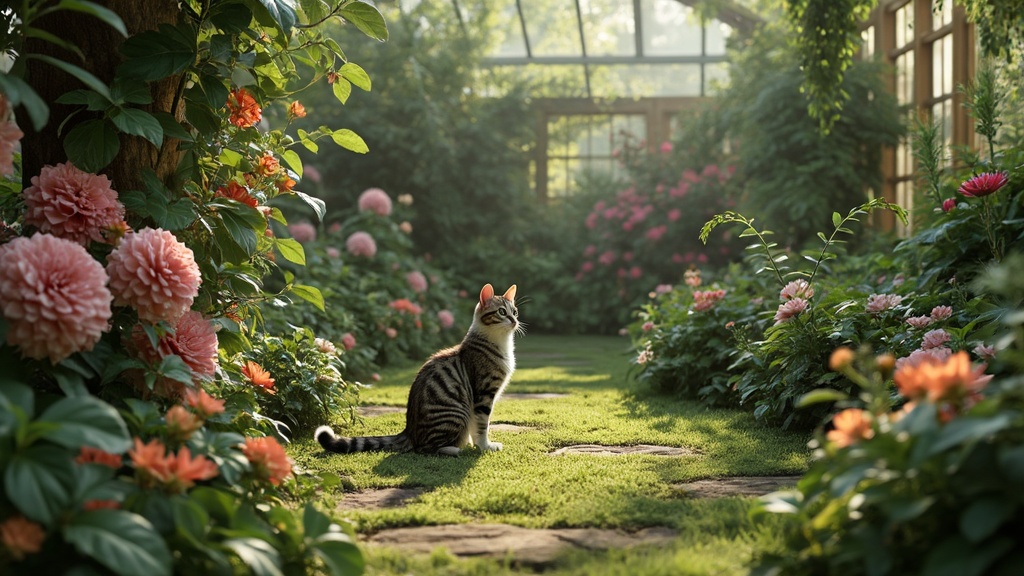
<point x="525" y="486"/>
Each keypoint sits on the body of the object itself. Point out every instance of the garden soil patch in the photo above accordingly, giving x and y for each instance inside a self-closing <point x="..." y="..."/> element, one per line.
<point x="526" y="546"/>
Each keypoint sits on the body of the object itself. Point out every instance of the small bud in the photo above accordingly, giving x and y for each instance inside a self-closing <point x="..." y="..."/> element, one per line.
<point x="841" y="358"/>
<point x="886" y="363"/>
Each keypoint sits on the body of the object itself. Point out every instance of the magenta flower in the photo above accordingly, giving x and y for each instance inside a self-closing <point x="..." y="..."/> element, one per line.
<point x="878" y="303"/>
<point x="655" y="234"/>
<point x="948" y="204"/>
<point x="935" y="339"/>
<point x="984" y="184"/>
<point x="606" y="258"/>
<point x="797" y="289"/>
<point x="303" y="232"/>
<point x="416" y="281"/>
<point x="69" y="203"/>
<point x="53" y="295"/>
<point x="361" y="244"/>
<point x="941" y="312"/>
<point x="666" y="147"/>
<point x="375" y="200"/>
<point x="155" y="274"/>
<point x="789" y="310"/>
<point x="446" y="318"/>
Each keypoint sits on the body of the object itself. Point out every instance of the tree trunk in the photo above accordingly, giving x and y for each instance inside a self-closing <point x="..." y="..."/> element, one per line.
<point x="101" y="45"/>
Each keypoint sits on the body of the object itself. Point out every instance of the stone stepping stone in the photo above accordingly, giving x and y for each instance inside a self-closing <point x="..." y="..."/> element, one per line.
<point x="529" y="396"/>
<point x="736" y="486"/>
<point x="646" y="449"/>
<point x="369" y="411"/>
<point x="527" y="546"/>
<point x="379" y="498"/>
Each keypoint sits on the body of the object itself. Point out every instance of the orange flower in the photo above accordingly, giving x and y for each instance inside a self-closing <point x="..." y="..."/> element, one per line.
<point x="186" y="470"/>
<point x="841" y="358"/>
<point x="100" y="505"/>
<point x="21" y="536"/>
<point x="936" y="379"/>
<point x="268" y="459"/>
<point x="237" y="192"/>
<point x="851" y="425"/>
<point x="296" y="110"/>
<point x="181" y="423"/>
<point x="245" y="111"/>
<point x="204" y="404"/>
<point x="258" y="376"/>
<point x="90" y="455"/>
<point x="150" y="461"/>
<point x="285" y="184"/>
<point x="268" y="165"/>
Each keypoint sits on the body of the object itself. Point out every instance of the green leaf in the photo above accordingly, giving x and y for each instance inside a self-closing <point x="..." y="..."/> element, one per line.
<point x="342" y="90"/>
<point x="260" y="557"/>
<point x="174" y="367"/>
<point x="356" y="75"/>
<point x="156" y="54"/>
<point x="318" y="205"/>
<point x="190" y="520"/>
<point x="138" y="123"/>
<point x="171" y="127"/>
<point x="308" y="142"/>
<point x="314" y="522"/>
<point x="19" y="93"/>
<point x="281" y="11"/>
<point x="837" y="219"/>
<point x="106" y="15"/>
<point x="291" y="158"/>
<point x="310" y="294"/>
<point x="242" y="223"/>
<point x="38" y="482"/>
<point x="291" y="250"/>
<point x="983" y="517"/>
<point x="967" y="429"/>
<point x="350" y="141"/>
<point x="84" y="76"/>
<point x="180" y="214"/>
<point x="87" y="421"/>
<point x="340" y="554"/>
<point x="820" y="395"/>
<point x="367" y="19"/>
<point x="92" y="145"/>
<point x="130" y="90"/>
<point x="123" y="542"/>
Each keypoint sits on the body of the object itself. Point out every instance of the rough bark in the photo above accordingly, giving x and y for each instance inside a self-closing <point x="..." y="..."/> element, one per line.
<point x="100" y="44"/>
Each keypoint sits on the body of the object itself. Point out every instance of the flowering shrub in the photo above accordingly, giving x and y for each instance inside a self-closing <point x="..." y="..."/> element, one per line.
<point x="925" y="488"/>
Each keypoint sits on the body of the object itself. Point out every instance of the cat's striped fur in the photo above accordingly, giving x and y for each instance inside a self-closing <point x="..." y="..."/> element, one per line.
<point x="450" y="400"/>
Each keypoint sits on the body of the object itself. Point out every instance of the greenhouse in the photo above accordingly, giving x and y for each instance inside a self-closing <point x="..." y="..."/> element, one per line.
<point x="483" y="287"/>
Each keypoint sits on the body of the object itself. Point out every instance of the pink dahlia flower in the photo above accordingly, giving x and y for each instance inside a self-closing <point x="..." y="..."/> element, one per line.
<point x="935" y="339"/>
<point x="985" y="352"/>
<point x="53" y="295"/>
<point x="155" y="274"/>
<point x="446" y="318"/>
<point x="878" y="303"/>
<point x="194" y="340"/>
<point x="361" y="244"/>
<point x="375" y="200"/>
<point x="941" y="312"/>
<point x="69" y="203"/>
<point x="303" y="232"/>
<point x="984" y="184"/>
<point x="797" y="289"/>
<point x="919" y="321"/>
<point x="789" y="310"/>
<point x="416" y="281"/>
<point x="348" y="340"/>
<point x="918" y="357"/>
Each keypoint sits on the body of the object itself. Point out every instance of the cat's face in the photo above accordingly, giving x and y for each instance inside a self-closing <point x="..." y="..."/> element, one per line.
<point x="497" y="312"/>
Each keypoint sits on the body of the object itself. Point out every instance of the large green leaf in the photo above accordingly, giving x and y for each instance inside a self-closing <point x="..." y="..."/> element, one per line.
<point x="281" y="11"/>
<point x="350" y="141"/>
<point x="153" y="54"/>
<point x="261" y="558"/>
<point x="138" y="123"/>
<point x="340" y="554"/>
<point x="356" y="75"/>
<point x="123" y="542"/>
<point x="92" y="145"/>
<point x="310" y="294"/>
<point x="242" y="223"/>
<point x="88" y="421"/>
<point x="105" y="14"/>
<point x="367" y="19"/>
<point x="38" y="481"/>
<point x="318" y="205"/>
<point x="19" y="93"/>
<point x="291" y="250"/>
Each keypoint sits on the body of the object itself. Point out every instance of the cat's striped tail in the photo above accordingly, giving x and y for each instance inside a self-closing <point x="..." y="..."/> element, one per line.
<point x="332" y="443"/>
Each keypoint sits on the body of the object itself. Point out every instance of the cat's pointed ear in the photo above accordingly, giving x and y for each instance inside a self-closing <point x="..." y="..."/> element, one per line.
<point x="510" y="294"/>
<point x="486" y="293"/>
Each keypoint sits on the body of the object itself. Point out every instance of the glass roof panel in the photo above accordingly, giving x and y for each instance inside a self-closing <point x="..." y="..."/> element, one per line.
<point x="552" y="28"/>
<point x="608" y="27"/>
<point x="629" y="81"/>
<point x="669" y="28"/>
<point x="547" y="80"/>
<point x="508" y="30"/>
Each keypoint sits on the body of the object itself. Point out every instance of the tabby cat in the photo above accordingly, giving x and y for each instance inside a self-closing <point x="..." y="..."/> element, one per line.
<point x="451" y="398"/>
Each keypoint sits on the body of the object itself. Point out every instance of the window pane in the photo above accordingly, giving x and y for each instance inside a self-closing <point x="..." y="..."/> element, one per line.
<point x="508" y="30"/>
<point x="670" y="28"/>
<point x="943" y="16"/>
<point x="551" y="27"/>
<point x="608" y="27"/>
<point x="867" y="49"/>
<point x="905" y="25"/>
<point x="624" y="81"/>
<point x="716" y="35"/>
<point x="905" y="77"/>
<point x="947" y="70"/>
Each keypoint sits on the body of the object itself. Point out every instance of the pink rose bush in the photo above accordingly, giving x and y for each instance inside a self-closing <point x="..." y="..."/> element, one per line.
<point x="53" y="295"/>
<point x="155" y="274"/>
<point x="72" y="204"/>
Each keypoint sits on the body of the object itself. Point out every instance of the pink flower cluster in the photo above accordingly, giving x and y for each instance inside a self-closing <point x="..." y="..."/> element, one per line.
<point x="878" y="303"/>
<point x="375" y="200"/>
<point x="938" y="314"/>
<point x="406" y="306"/>
<point x="416" y="281"/>
<point x="446" y="318"/>
<point x="361" y="244"/>
<point x="303" y="232"/>
<point x="935" y="339"/>
<point x="705" y="300"/>
<point x="790" y="309"/>
<point x="72" y="204"/>
<point x="53" y="295"/>
<point x="155" y="274"/>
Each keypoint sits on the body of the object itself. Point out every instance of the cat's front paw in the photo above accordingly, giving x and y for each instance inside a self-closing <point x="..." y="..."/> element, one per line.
<point x="491" y="447"/>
